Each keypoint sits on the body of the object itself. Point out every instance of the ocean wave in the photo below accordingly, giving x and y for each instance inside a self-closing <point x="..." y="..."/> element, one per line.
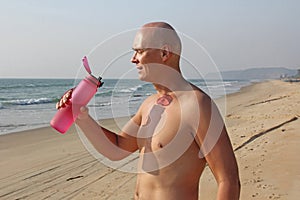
<point x="104" y="93"/>
<point x="12" y="125"/>
<point x="36" y="85"/>
<point x="132" y="89"/>
<point x="114" y="103"/>
<point x="32" y="85"/>
<point x="28" y="101"/>
<point x="103" y="104"/>
<point x="113" y="91"/>
<point x="222" y="85"/>
<point x="135" y="100"/>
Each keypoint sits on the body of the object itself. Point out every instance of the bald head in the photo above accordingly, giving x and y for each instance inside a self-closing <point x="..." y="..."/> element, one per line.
<point x="159" y="25"/>
<point x="157" y="34"/>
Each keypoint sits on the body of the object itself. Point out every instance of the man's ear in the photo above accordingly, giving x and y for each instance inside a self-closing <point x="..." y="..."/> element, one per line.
<point x="165" y="52"/>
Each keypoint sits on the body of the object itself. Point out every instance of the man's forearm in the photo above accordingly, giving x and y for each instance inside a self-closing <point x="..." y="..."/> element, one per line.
<point x="103" y="140"/>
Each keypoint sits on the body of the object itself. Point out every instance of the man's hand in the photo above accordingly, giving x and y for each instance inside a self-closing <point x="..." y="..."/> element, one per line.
<point x="65" y="99"/>
<point x="84" y="113"/>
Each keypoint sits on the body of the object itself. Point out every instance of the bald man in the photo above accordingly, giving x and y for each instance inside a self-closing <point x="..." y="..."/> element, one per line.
<point x="176" y="131"/>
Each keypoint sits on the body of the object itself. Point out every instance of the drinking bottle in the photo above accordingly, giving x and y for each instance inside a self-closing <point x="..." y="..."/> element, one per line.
<point x="81" y="95"/>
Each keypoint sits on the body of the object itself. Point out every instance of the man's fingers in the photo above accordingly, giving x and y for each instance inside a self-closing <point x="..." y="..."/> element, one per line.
<point x="65" y="99"/>
<point x="68" y="95"/>
<point x="84" y="109"/>
<point x="57" y="105"/>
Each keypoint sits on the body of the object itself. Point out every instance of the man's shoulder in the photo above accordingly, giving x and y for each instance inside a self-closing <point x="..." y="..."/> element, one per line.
<point x="198" y="95"/>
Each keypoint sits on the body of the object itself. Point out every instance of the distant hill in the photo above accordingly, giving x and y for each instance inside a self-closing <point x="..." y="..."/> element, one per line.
<point x="254" y="73"/>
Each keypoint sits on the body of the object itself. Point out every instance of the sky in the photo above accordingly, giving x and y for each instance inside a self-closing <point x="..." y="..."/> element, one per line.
<point x="47" y="39"/>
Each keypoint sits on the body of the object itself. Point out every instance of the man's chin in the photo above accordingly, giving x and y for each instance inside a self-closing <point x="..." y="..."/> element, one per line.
<point x="143" y="78"/>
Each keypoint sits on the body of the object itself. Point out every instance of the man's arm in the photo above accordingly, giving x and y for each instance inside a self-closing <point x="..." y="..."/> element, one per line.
<point x="111" y="145"/>
<point x="216" y="147"/>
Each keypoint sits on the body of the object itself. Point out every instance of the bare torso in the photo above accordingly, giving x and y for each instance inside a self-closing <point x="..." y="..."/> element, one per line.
<point x="169" y="166"/>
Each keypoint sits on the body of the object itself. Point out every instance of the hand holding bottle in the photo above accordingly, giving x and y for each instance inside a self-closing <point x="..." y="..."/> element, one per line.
<point x="69" y="106"/>
<point x="65" y="101"/>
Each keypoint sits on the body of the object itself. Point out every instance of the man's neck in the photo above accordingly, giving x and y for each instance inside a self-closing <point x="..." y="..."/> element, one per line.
<point x="161" y="89"/>
<point x="171" y="83"/>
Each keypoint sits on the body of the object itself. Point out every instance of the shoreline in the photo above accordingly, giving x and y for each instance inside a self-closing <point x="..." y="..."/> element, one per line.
<point x="42" y="163"/>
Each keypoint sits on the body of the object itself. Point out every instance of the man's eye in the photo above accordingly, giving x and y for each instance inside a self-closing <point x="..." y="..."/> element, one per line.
<point x="139" y="51"/>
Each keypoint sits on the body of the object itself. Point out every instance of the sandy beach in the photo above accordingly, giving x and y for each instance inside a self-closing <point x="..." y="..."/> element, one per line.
<point x="262" y="121"/>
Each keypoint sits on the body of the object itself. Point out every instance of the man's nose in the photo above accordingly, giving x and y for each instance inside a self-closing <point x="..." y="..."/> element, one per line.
<point x="133" y="58"/>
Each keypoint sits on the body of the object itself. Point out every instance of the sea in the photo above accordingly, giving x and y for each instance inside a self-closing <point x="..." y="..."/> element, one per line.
<point x="30" y="103"/>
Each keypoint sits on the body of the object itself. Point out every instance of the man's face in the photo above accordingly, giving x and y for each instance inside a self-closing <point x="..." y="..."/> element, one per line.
<point x="145" y="57"/>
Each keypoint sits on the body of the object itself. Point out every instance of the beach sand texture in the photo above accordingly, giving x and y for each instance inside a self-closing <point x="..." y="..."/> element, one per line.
<point x="262" y="121"/>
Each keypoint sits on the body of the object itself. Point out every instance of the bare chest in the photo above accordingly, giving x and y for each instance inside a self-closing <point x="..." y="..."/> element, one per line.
<point x="159" y="126"/>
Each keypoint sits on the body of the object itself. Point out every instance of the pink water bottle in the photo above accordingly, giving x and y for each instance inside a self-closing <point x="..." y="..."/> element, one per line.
<point x="81" y="95"/>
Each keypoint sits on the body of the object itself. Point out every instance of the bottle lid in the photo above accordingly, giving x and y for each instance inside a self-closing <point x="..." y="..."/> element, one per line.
<point x="86" y="65"/>
<point x="95" y="80"/>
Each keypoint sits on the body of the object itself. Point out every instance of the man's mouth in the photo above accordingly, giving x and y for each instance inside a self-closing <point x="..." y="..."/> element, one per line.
<point x="139" y="67"/>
